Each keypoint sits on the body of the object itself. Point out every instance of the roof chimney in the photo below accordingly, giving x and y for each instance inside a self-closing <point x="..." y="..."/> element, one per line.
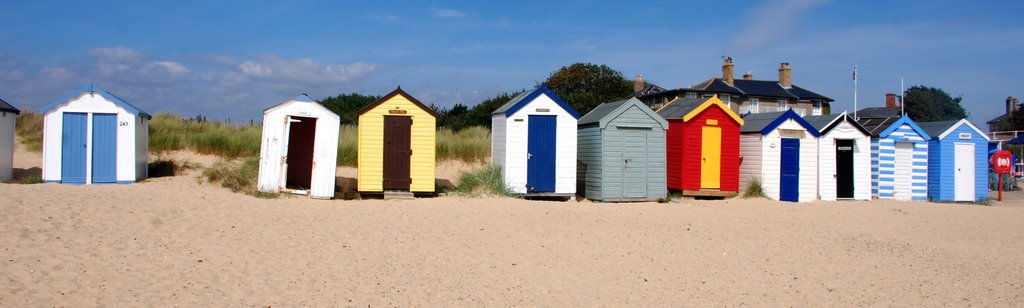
<point x="638" y="83"/>
<point x="748" y="76"/>
<point x="890" y="101"/>
<point x="1011" y="105"/>
<point x="727" y="70"/>
<point x="785" y="75"/>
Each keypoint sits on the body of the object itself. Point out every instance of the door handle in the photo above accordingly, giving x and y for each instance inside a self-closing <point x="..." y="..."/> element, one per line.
<point x="529" y="155"/>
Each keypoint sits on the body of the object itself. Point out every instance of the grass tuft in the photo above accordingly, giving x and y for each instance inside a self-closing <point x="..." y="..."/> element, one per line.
<point x="754" y="190"/>
<point x="486" y="181"/>
<point x="238" y="176"/>
<point x="471" y="144"/>
<point x="32" y="180"/>
<point x="29" y="127"/>
<point x="168" y="132"/>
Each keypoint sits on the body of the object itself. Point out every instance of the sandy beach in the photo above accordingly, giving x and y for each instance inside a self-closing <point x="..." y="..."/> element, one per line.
<point x="178" y="241"/>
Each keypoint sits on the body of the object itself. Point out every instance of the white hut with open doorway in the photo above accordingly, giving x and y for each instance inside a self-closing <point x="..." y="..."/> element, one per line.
<point x="299" y="152"/>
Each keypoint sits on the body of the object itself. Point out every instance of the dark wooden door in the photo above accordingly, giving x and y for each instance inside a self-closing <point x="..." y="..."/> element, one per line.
<point x="301" y="137"/>
<point x="397" y="152"/>
<point x="844" y="168"/>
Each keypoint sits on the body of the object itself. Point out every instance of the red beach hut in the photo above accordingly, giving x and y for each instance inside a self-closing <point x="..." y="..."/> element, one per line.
<point x="702" y="147"/>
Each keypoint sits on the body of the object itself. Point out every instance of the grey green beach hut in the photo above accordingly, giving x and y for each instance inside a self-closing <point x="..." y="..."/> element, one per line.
<point x="621" y="148"/>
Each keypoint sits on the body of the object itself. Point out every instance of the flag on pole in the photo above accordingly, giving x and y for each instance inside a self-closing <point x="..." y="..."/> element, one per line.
<point x="854" y="72"/>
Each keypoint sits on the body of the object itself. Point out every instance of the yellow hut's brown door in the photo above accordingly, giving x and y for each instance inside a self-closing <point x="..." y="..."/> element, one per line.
<point x="397" y="152"/>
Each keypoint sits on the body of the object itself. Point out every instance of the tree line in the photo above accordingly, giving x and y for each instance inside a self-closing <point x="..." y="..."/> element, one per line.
<point x="584" y="86"/>
<point x="581" y="85"/>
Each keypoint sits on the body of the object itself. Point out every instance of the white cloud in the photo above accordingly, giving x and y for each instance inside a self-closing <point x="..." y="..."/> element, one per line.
<point x="384" y="18"/>
<point x="770" y="23"/>
<point x="304" y="70"/>
<point x="446" y="13"/>
<point x="170" y="67"/>
<point x="115" y="54"/>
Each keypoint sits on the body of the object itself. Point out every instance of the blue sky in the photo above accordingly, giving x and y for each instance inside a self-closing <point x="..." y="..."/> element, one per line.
<point x="232" y="59"/>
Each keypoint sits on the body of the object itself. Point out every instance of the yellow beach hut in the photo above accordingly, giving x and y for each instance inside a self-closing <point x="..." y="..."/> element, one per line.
<point x="396" y="145"/>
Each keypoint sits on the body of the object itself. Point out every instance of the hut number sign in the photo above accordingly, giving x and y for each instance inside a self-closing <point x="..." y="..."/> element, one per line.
<point x="965" y="136"/>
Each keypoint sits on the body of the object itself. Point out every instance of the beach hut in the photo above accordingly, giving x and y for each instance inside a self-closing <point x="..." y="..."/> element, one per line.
<point x="7" y="115"/>
<point x="780" y="149"/>
<point x="622" y="147"/>
<point x="299" y="151"/>
<point x="91" y="136"/>
<point x="533" y="139"/>
<point x="957" y="161"/>
<point x="396" y="145"/>
<point x="899" y="158"/>
<point x="703" y="147"/>
<point x="844" y="157"/>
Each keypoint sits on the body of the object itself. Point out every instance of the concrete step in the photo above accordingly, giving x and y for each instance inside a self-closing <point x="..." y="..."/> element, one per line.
<point x="398" y="195"/>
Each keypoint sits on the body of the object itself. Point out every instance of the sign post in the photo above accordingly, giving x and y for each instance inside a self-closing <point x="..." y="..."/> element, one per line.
<point x="1002" y="163"/>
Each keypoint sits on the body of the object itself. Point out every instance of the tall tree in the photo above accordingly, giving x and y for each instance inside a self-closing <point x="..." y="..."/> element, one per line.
<point x="584" y="85"/>
<point x="926" y="104"/>
<point x="347" y="105"/>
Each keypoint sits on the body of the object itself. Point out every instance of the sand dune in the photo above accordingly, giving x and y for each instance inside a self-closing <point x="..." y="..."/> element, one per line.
<point x="176" y="241"/>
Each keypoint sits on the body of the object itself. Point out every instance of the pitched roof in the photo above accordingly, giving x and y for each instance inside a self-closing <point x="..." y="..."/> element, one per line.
<point x="905" y="119"/>
<point x="680" y="107"/>
<point x="5" y="107"/>
<point x="604" y="113"/>
<point x="302" y="99"/>
<point x="764" y="123"/>
<point x="877" y="113"/>
<point x="940" y="129"/>
<point x="96" y="90"/>
<point x="825" y="123"/>
<point x="875" y="126"/>
<point x="766" y="88"/>
<point x="650" y="89"/>
<point x="396" y="92"/>
<point x="998" y="119"/>
<point x="525" y="98"/>
<point x="687" y="108"/>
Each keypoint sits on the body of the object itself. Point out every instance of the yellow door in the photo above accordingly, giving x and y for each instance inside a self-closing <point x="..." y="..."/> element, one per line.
<point x="711" y="157"/>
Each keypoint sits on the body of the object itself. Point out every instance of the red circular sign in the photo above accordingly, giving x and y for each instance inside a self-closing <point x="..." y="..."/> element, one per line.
<point x="1002" y="162"/>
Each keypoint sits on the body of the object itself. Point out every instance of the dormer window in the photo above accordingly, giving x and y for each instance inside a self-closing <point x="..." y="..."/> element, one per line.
<point x="783" y="105"/>
<point x="816" y="108"/>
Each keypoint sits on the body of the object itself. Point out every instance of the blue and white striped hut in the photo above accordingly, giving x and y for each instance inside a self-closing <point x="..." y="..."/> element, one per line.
<point x="899" y="158"/>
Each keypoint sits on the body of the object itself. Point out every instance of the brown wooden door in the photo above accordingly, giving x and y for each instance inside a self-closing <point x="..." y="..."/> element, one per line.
<point x="301" y="137"/>
<point x="397" y="152"/>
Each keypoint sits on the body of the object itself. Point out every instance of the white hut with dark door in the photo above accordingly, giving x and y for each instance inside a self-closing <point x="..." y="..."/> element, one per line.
<point x="7" y="115"/>
<point x="299" y="152"/>
<point x="844" y="157"/>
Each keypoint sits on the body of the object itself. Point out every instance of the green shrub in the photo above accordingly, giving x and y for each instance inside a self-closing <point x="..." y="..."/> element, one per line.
<point x="471" y="144"/>
<point x="168" y="132"/>
<point x="29" y="127"/>
<point x="238" y="176"/>
<point x="32" y="180"/>
<point x="754" y="190"/>
<point x="348" y="152"/>
<point x="486" y="181"/>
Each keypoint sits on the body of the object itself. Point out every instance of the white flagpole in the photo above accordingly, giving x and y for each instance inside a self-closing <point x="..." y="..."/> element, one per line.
<point x="902" y="93"/>
<point x="855" y="93"/>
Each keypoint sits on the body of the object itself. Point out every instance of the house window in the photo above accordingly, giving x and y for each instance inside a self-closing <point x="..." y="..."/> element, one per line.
<point x="754" y="106"/>
<point x="691" y="95"/>
<point x="726" y="100"/>
<point x="783" y="105"/>
<point x="815" y="107"/>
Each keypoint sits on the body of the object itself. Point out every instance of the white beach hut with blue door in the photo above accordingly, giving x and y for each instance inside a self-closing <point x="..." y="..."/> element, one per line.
<point x="957" y="161"/>
<point x="92" y="136"/>
<point x="780" y="149"/>
<point x="533" y="140"/>
<point x="899" y="158"/>
<point x="7" y="116"/>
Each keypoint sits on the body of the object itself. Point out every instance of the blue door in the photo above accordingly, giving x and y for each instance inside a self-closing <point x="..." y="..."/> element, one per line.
<point x="789" y="183"/>
<point x="540" y="160"/>
<point x="73" y="146"/>
<point x="104" y="148"/>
